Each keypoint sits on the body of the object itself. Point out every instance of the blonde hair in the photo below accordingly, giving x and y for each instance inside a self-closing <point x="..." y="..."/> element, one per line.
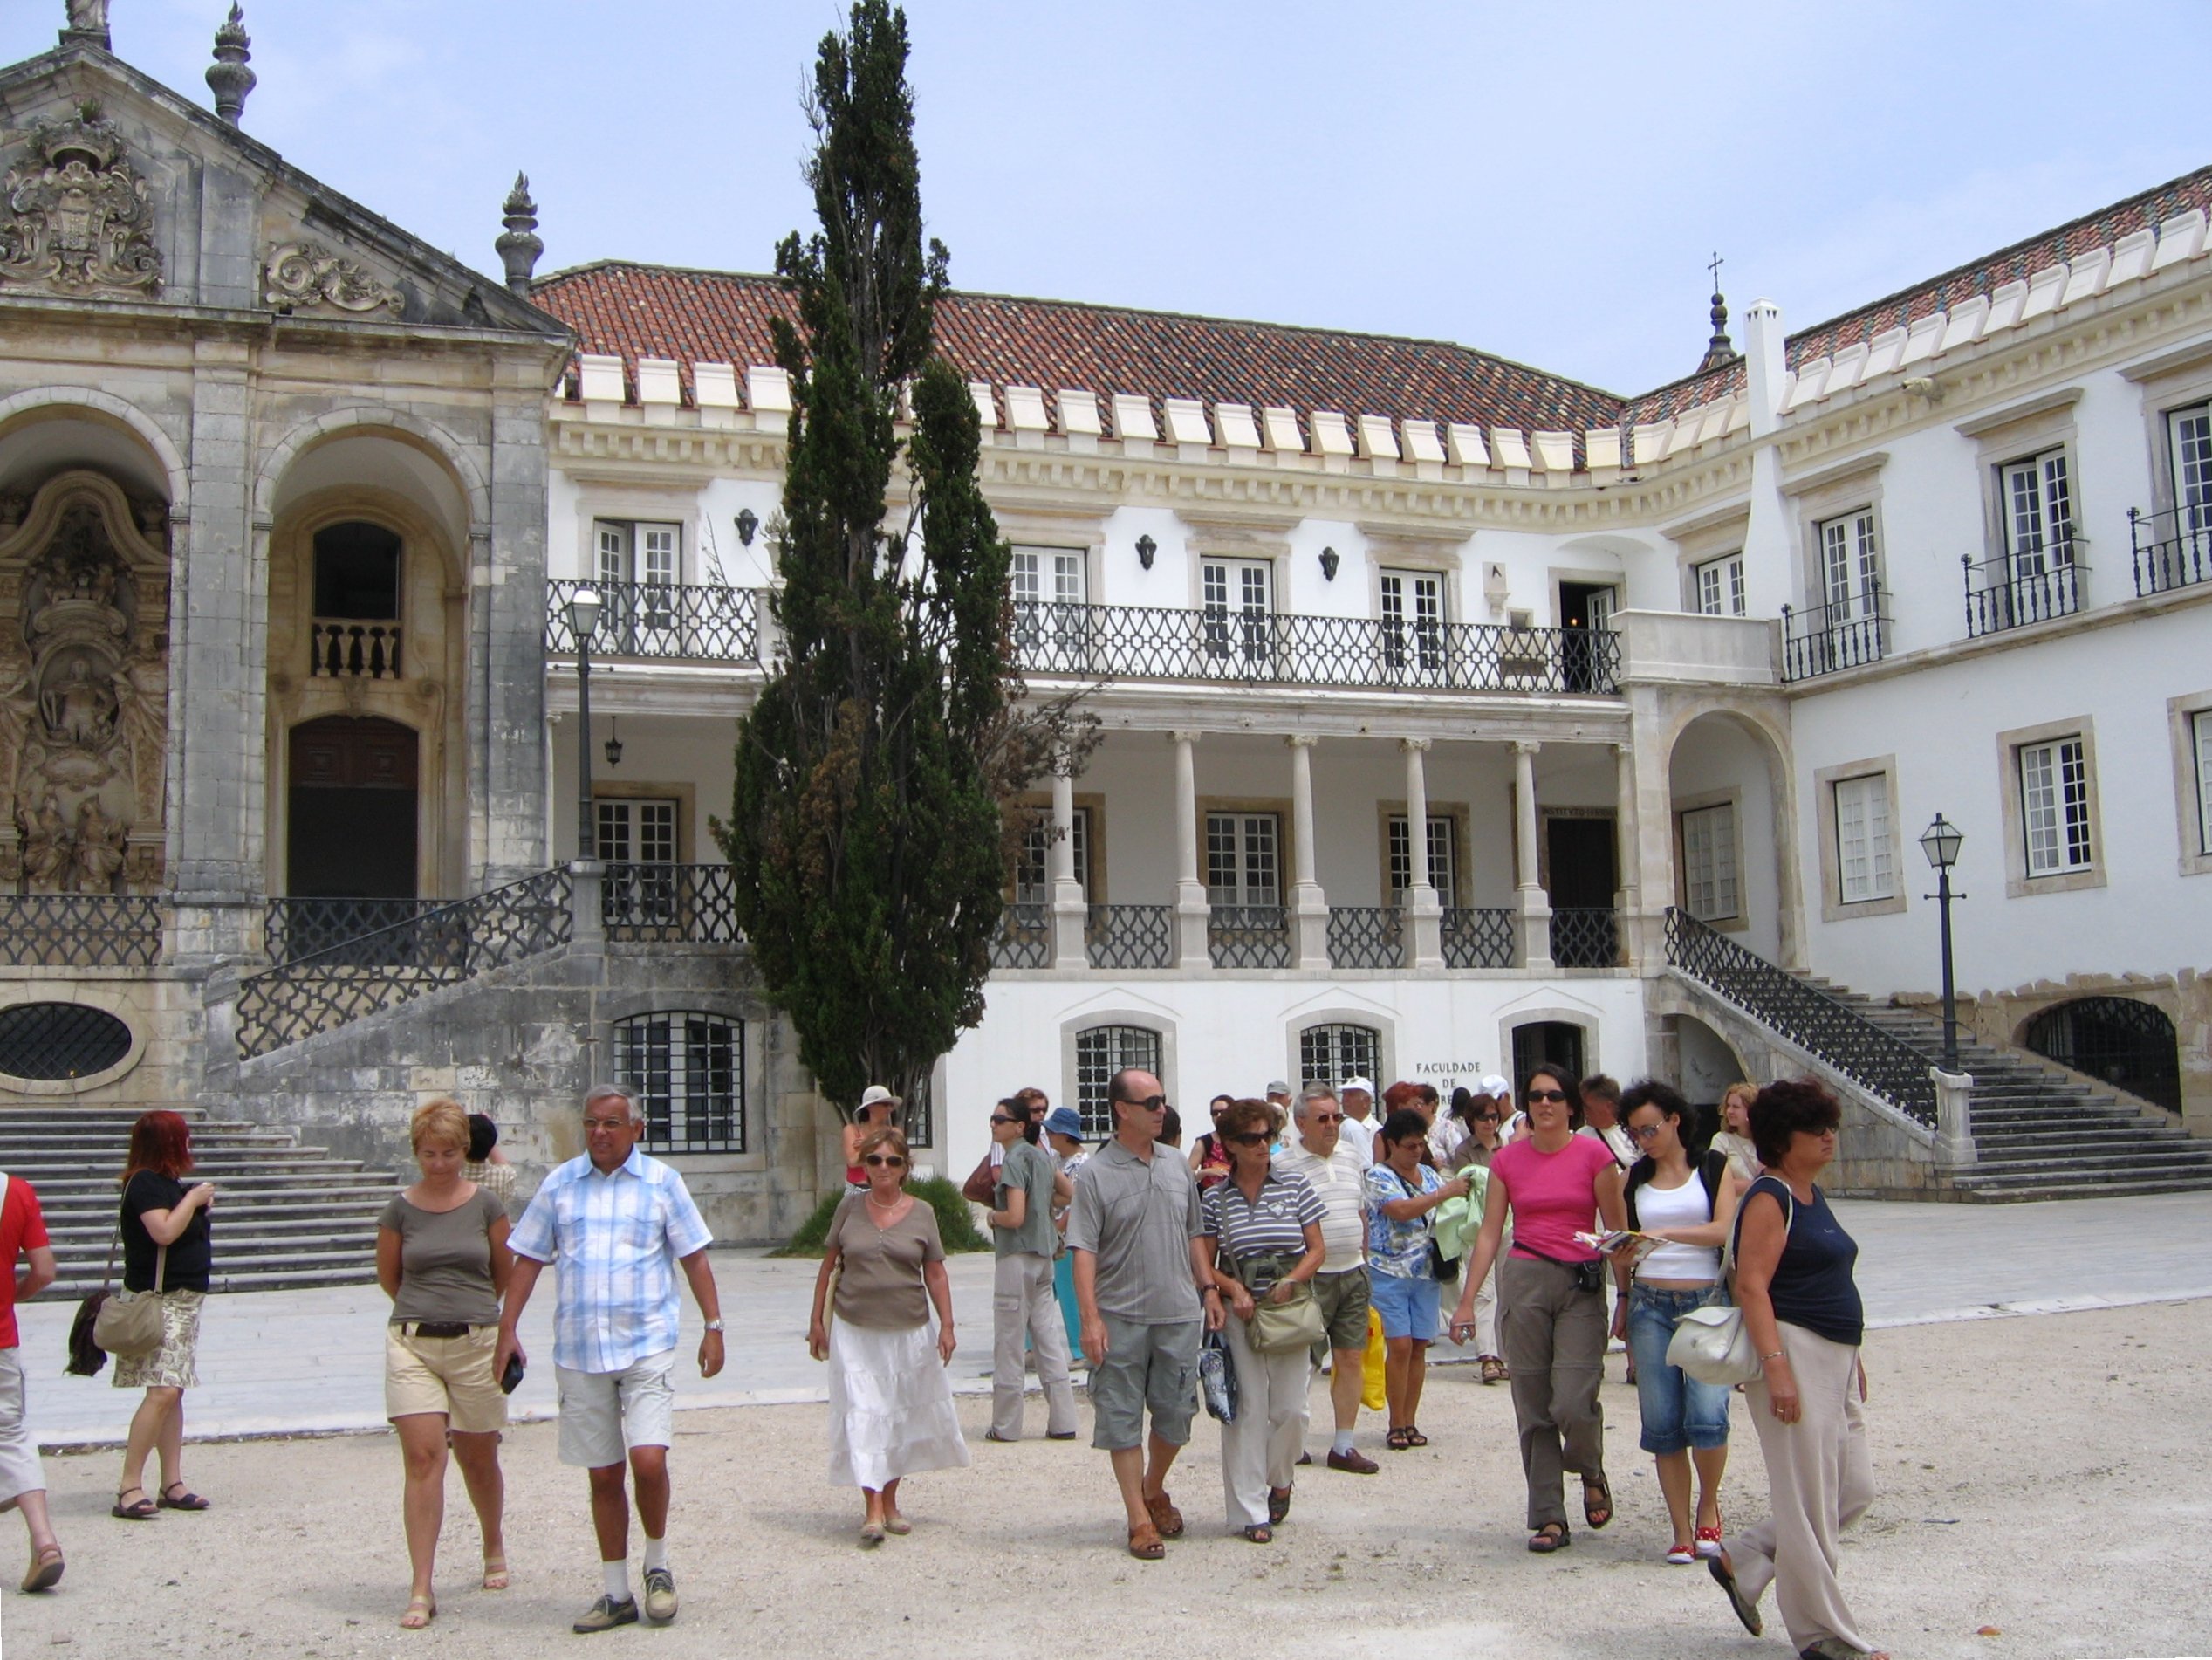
<point x="888" y="1135"/>
<point x="1749" y="1092"/>
<point x="440" y="1120"/>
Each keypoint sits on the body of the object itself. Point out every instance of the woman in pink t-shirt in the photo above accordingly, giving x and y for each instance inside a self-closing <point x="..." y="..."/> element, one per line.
<point x="1551" y="1316"/>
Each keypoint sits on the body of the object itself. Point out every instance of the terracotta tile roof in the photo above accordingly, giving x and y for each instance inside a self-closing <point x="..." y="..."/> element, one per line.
<point x="2016" y="262"/>
<point x="630" y="311"/>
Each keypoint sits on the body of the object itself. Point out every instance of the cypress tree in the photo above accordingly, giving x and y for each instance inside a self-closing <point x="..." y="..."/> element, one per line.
<point x="870" y="826"/>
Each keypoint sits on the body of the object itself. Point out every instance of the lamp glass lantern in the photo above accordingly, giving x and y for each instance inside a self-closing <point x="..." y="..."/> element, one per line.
<point x="1941" y="842"/>
<point x="613" y="745"/>
<point x="584" y="607"/>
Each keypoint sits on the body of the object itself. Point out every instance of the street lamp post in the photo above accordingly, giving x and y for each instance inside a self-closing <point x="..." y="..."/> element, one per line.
<point x="1941" y="842"/>
<point x="583" y="618"/>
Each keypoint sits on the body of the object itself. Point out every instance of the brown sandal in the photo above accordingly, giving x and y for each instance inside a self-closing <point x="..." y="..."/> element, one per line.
<point x="1165" y="1517"/>
<point x="45" y="1570"/>
<point x="1493" y="1369"/>
<point x="1143" y="1543"/>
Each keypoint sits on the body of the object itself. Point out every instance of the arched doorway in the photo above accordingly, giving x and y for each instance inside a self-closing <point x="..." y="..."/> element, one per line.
<point x="1729" y="837"/>
<point x="351" y="817"/>
<point x="2130" y="1045"/>
<point x="1558" y="1043"/>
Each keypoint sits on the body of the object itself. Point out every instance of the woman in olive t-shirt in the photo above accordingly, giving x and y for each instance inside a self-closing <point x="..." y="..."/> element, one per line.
<point x="442" y="1257"/>
<point x="891" y="1411"/>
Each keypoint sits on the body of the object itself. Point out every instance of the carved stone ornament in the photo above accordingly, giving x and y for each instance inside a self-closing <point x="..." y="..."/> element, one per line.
<point x="302" y="274"/>
<point x="75" y="217"/>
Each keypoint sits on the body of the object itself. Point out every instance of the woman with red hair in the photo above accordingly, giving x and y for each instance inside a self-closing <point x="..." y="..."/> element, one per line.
<point x="166" y="1254"/>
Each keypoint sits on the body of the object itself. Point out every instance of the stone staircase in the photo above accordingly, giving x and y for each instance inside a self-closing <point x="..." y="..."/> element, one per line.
<point x="2039" y="1132"/>
<point x="285" y="1216"/>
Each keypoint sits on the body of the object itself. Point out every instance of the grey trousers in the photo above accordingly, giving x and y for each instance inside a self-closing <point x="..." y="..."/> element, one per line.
<point x="1555" y="1347"/>
<point x="1260" y="1450"/>
<point x="1023" y="1304"/>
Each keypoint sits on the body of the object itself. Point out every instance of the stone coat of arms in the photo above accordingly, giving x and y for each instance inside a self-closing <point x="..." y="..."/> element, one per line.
<point x="75" y="217"/>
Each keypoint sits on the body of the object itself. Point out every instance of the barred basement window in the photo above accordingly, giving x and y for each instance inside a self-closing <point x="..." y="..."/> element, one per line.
<point x="53" y="1041"/>
<point x="1101" y="1053"/>
<point x="689" y="1071"/>
<point x="1329" y="1054"/>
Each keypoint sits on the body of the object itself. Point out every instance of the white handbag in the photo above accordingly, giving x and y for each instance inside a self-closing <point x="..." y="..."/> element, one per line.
<point x="1714" y="1345"/>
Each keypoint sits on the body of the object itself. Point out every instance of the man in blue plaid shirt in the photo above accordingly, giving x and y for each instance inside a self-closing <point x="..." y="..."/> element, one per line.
<point x="616" y="1225"/>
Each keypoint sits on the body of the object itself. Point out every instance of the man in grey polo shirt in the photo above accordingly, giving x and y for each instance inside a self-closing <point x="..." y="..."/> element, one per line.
<point x="1145" y="1290"/>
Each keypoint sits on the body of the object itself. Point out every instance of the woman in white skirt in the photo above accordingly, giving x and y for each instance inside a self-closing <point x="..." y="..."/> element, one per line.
<point x="891" y="1411"/>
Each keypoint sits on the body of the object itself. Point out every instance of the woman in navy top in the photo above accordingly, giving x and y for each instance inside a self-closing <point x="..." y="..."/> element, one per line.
<point x="1793" y="1281"/>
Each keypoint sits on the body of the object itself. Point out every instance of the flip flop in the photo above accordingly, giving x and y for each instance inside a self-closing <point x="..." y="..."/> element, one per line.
<point x="1724" y="1574"/>
<point x="45" y="1570"/>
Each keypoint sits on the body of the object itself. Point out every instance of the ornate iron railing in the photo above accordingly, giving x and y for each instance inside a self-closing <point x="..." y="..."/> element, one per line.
<point x="1249" y="937"/>
<point x="1478" y="937"/>
<point x="1879" y="1061"/>
<point x="1366" y="937"/>
<point x="81" y="931"/>
<point x="389" y="966"/>
<point x="1822" y="639"/>
<point x="1147" y="643"/>
<point x="693" y="904"/>
<point x="2012" y="592"/>
<point x="1131" y="936"/>
<point x="1585" y="937"/>
<point x="293" y="927"/>
<point x="1024" y="938"/>
<point x="654" y="620"/>
<point x="2172" y="549"/>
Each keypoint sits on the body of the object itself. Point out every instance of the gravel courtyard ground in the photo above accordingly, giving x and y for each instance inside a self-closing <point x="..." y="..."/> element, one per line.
<point x="2046" y="1475"/>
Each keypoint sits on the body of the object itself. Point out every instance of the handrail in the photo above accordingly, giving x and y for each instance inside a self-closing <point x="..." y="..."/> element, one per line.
<point x="2172" y="549"/>
<point x="2009" y="595"/>
<point x="1821" y="638"/>
<point x="1878" y="1060"/>
<point x="701" y="623"/>
<point x="696" y="904"/>
<point x="81" y="931"/>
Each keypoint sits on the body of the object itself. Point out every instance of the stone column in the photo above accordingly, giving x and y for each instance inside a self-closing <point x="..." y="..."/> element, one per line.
<point x="1191" y="908"/>
<point x="1069" y="912"/>
<point x="1535" y="903"/>
<point x="1422" y="913"/>
<point x="1628" y="897"/>
<point x="1309" y="905"/>
<point x="507" y="782"/>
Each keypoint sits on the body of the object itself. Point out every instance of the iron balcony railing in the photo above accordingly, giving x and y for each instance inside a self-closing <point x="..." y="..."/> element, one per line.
<point x="1585" y="937"/>
<point x="444" y="945"/>
<point x="1024" y="937"/>
<point x="294" y="927"/>
<point x="1366" y="937"/>
<point x="1822" y="639"/>
<point x="1214" y="643"/>
<point x="2018" y="589"/>
<point x="1131" y="936"/>
<point x="1478" y="937"/>
<point x="1879" y="1061"/>
<point x="696" y="904"/>
<point x="81" y="931"/>
<point x="657" y="619"/>
<point x="1249" y="937"/>
<point x="2170" y="550"/>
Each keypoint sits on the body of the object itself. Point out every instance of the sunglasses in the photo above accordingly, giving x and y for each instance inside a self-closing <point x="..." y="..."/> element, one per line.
<point x="1645" y="1132"/>
<point x="1001" y="1118"/>
<point x="1325" y="1118"/>
<point x="1150" y="1103"/>
<point x="1543" y="1094"/>
<point x="1487" y="1118"/>
<point x="883" y="1160"/>
<point x="1247" y="1138"/>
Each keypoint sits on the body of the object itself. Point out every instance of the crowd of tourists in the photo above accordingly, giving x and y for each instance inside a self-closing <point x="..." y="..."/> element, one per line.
<point x="1296" y="1234"/>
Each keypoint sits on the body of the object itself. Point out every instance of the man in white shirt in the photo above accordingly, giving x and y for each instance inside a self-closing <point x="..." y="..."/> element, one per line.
<point x="1333" y="1170"/>
<point x="1358" y="1127"/>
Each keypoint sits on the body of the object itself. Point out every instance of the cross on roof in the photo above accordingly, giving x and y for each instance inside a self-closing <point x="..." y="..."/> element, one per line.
<point x="1714" y="267"/>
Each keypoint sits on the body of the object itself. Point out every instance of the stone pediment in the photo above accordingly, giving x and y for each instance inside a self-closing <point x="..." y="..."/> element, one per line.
<point x="116" y="189"/>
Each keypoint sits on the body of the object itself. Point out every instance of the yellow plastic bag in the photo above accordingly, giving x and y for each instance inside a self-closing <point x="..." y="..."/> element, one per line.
<point x="1371" y="1390"/>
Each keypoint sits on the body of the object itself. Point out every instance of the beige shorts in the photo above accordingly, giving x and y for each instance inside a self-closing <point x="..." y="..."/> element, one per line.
<point x="20" y="1471"/>
<point x="448" y="1375"/>
<point x="604" y="1414"/>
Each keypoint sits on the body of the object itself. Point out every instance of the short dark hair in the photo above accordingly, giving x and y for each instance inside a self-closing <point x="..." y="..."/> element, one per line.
<point x="1649" y="1092"/>
<point x="1016" y="1109"/>
<point x="483" y="1136"/>
<point x="1782" y="1111"/>
<point x="1600" y="1085"/>
<point x="1558" y="1075"/>
<point x="1241" y="1117"/>
<point x="1171" y="1127"/>
<point x="1404" y="1125"/>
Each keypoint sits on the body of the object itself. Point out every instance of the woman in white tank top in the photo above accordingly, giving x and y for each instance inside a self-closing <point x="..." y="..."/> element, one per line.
<point x="1688" y="1204"/>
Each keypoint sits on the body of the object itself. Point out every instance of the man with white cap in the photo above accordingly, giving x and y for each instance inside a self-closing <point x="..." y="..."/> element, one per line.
<point x="1358" y="1131"/>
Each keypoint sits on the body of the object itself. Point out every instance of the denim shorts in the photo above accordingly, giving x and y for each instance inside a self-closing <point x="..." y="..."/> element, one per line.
<point x="1408" y="1307"/>
<point x="1679" y="1412"/>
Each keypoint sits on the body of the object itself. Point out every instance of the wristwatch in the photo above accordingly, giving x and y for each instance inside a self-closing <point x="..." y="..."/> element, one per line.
<point x="714" y="1325"/>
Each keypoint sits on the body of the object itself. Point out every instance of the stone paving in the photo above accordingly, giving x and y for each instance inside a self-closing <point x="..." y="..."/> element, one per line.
<point x="290" y="1362"/>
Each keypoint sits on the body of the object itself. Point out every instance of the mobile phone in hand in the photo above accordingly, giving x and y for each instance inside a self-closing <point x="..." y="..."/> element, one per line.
<point x="512" y="1375"/>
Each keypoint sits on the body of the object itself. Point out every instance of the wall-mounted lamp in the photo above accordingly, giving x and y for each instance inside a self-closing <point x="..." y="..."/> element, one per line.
<point x="1328" y="565"/>
<point x="748" y="522"/>
<point x="1145" y="548"/>
<point x="613" y="742"/>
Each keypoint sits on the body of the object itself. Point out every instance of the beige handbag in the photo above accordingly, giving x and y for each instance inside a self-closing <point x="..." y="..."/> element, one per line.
<point x="131" y="1328"/>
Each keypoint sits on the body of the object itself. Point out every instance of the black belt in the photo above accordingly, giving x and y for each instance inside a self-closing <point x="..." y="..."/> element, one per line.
<point x="435" y="1327"/>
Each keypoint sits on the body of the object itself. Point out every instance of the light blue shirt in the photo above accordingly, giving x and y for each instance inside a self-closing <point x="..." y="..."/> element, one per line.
<point x="614" y="1240"/>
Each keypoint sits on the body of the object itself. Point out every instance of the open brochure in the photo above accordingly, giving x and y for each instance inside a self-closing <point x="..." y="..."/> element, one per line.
<point x="1605" y="1244"/>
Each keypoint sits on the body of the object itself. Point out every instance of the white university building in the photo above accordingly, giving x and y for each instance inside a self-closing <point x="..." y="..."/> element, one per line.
<point x="1457" y="714"/>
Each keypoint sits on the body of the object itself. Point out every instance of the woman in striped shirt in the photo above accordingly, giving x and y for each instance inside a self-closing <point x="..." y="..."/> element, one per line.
<point x="1263" y="1234"/>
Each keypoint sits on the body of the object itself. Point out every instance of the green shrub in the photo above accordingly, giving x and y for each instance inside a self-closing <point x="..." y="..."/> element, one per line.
<point x="956" y="1221"/>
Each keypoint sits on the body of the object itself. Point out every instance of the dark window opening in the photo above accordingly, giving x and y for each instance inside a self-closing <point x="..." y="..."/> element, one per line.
<point x="53" y="1041"/>
<point x="357" y="572"/>
<point x="2128" y="1045"/>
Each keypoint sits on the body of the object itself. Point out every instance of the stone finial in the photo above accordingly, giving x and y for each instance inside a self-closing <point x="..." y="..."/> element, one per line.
<point x="88" y="23"/>
<point x="1720" y="351"/>
<point x="520" y="245"/>
<point x="229" y="78"/>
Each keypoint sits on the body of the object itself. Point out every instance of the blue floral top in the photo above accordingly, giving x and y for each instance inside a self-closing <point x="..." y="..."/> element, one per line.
<point x="1400" y="1249"/>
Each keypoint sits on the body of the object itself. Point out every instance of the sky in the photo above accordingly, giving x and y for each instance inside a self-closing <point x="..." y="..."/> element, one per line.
<point x="1542" y="181"/>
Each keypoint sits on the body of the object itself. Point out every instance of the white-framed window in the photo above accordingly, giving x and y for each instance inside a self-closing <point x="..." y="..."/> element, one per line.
<point x="1710" y="889"/>
<point x="1243" y="859"/>
<point x="1720" y="585"/>
<point x="1413" y="621"/>
<point x="1443" y="857"/>
<point x="635" y="830"/>
<point x="1328" y="1054"/>
<point x="1048" y="576"/>
<point x="1850" y="566"/>
<point x="1865" y="870"/>
<point x="1033" y="874"/>
<point x="629" y="551"/>
<point x="2038" y="513"/>
<point x="689" y="1071"/>
<point x="2200" y="749"/>
<point x="1049" y="618"/>
<point x="2054" y="806"/>
<point x="1237" y="600"/>
<point x="1099" y="1053"/>
<point x="2189" y="433"/>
